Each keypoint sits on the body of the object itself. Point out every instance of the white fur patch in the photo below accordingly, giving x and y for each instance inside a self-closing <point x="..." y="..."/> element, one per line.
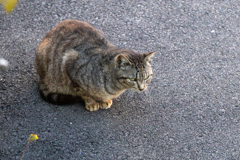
<point x="68" y="55"/>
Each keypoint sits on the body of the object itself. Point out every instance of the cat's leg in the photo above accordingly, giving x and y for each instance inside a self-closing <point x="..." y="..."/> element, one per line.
<point x="90" y="104"/>
<point x="105" y="104"/>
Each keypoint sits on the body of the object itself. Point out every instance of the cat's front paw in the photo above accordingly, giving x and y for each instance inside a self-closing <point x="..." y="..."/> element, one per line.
<point x="90" y="104"/>
<point x="105" y="104"/>
<point x="92" y="107"/>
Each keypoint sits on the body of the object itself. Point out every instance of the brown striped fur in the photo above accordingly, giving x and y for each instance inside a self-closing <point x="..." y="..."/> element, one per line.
<point x="75" y="61"/>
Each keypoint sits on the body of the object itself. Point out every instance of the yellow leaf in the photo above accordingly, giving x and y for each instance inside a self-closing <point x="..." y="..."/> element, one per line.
<point x="8" y="5"/>
<point x="32" y="137"/>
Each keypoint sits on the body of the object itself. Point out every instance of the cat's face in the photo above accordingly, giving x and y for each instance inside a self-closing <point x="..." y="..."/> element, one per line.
<point x="135" y="74"/>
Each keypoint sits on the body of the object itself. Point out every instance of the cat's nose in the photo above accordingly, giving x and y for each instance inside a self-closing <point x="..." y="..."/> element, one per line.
<point x="141" y="87"/>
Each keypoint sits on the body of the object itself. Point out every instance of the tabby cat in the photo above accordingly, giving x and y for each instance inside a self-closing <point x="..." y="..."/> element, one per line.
<point x="75" y="61"/>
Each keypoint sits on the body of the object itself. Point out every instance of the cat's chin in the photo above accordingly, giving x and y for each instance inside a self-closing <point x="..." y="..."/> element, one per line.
<point x="135" y="90"/>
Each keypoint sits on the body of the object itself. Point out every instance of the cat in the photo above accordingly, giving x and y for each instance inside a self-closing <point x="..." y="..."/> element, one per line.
<point x="75" y="61"/>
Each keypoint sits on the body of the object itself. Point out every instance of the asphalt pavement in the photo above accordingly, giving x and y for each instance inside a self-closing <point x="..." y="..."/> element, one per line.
<point x="191" y="110"/>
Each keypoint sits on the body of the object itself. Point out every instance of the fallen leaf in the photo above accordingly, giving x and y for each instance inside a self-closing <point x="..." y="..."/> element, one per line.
<point x="8" y="5"/>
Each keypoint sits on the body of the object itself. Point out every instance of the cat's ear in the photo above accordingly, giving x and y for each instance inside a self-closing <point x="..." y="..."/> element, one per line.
<point x="148" y="56"/>
<point x="122" y="61"/>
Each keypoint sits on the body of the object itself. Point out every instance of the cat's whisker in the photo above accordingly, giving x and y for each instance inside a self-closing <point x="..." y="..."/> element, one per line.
<point x="148" y="94"/>
<point x="130" y="96"/>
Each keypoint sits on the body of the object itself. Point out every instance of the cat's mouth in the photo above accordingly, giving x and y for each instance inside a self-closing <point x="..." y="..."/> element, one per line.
<point x="138" y="90"/>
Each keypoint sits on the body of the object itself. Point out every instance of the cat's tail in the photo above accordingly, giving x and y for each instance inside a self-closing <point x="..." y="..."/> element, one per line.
<point x="60" y="99"/>
<point x="3" y="63"/>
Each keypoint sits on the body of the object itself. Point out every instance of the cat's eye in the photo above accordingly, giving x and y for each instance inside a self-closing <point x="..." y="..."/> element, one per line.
<point x="132" y="79"/>
<point x="147" y="77"/>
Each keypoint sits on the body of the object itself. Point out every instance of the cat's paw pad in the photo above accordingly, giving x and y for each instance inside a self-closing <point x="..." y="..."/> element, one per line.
<point x="106" y="104"/>
<point x="92" y="107"/>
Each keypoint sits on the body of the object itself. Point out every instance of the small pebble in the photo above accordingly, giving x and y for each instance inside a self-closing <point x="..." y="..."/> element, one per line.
<point x="222" y="110"/>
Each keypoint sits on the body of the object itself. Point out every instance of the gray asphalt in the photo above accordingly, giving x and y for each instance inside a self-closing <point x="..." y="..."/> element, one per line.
<point x="190" y="111"/>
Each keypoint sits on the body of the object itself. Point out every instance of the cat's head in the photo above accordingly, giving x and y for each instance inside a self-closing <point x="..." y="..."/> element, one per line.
<point x="133" y="70"/>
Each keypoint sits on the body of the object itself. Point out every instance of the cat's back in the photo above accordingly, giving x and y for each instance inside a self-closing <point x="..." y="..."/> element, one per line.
<point x="68" y="35"/>
<point x="71" y="33"/>
<point x="70" y="27"/>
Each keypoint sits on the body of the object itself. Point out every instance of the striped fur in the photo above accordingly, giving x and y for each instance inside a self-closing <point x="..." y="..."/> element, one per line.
<point x="75" y="60"/>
